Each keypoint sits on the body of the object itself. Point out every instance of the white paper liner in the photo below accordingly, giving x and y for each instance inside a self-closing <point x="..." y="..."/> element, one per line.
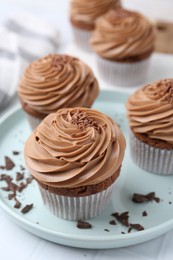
<point x="151" y="159"/>
<point x="121" y="73"/>
<point x="33" y="121"/>
<point x="76" y="208"/>
<point x="82" y="38"/>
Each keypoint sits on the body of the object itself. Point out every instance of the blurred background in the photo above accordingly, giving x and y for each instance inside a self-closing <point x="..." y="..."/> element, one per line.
<point x="47" y="10"/>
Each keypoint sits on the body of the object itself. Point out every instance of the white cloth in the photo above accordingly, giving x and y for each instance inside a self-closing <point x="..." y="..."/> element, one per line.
<point x="23" y="38"/>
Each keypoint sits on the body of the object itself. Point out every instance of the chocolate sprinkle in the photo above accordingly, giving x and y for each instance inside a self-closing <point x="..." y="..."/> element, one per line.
<point x="27" y="208"/>
<point x="140" y="198"/>
<point x="83" y="225"/>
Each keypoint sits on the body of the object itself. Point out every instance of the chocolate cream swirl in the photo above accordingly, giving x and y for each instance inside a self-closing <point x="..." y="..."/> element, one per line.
<point x="85" y="13"/>
<point x="150" y="110"/>
<point x="57" y="81"/>
<point x="75" y="147"/>
<point x="121" y="34"/>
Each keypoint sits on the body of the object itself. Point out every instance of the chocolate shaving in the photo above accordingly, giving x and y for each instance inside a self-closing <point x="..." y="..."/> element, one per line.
<point x="19" y="176"/>
<point x="6" y="188"/>
<point x="29" y="180"/>
<point x="17" y="204"/>
<point x="22" y="167"/>
<point x="27" y="208"/>
<point x="9" y="164"/>
<point x="137" y="227"/>
<point x="21" y="186"/>
<point x="122" y="218"/>
<point x="140" y="198"/>
<point x="106" y="230"/>
<point x="81" y="120"/>
<point x="112" y="222"/>
<point x="11" y="195"/>
<point x="83" y="225"/>
<point x="5" y="177"/>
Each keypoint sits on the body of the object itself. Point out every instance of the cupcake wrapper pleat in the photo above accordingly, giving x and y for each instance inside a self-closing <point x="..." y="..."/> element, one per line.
<point x="121" y="73"/>
<point x="82" y="39"/>
<point x="151" y="159"/>
<point x="76" y="208"/>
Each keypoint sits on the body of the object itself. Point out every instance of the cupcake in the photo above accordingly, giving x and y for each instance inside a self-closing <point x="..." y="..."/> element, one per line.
<point x="150" y="115"/>
<point x="123" y="41"/>
<point x="83" y="16"/>
<point x="54" y="82"/>
<point x="75" y="155"/>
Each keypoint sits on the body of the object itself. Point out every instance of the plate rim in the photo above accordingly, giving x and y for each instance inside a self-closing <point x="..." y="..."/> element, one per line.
<point x="26" y="223"/>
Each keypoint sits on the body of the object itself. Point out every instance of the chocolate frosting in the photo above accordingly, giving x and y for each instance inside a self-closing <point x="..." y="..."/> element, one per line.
<point x="150" y="110"/>
<point x="75" y="147"/>
<point x="121" y="34"/>
<point x="57" y="81"/>
<point x="85" y="13"/>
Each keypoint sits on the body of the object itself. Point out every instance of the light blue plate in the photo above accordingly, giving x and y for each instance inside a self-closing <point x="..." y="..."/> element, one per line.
<point x="14" y="130"/>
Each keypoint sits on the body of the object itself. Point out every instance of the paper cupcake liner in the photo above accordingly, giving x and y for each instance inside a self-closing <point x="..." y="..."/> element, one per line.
<point x="82" y="38"/>
<point x="33" y="121"/>
<point x="76" y="208"/>
<point x="151" y="159"/>
<point x="121" y="73"/>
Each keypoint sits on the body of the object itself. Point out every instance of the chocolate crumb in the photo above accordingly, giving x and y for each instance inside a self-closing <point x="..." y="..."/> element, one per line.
<point x="17" y="204"/>
<point x="22" y="168"/>
<point x="107" y="230"/>
<point x="2" y="167"/>
<point x="15" y="152"/>
<point x="27" y="208"/>
<point x="144" y="213"/>
<point x="9" y="164"/>
<point x="19" y="176"/>
<point x="122" y="232"/>
<point x="140" y="198"/>
<point x="112" y="222"/>
<point x="83" y="225"/>
<point x="170" y="202"/>
<point x="122" y="218"/>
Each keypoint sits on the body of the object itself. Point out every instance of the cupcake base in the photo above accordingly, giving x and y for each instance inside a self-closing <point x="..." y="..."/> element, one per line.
<point x="122" y="73"/>
<point x="76" y="208"/>
<point x="151" y="159"/>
